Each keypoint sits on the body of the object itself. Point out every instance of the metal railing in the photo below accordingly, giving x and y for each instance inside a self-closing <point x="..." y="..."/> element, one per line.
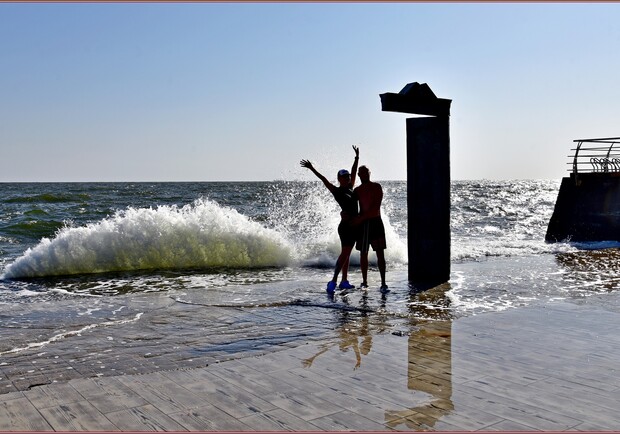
<point x="596" y="156"/>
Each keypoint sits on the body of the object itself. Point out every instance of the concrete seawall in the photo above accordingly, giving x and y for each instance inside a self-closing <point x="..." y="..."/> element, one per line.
<point x="587" y="210"/>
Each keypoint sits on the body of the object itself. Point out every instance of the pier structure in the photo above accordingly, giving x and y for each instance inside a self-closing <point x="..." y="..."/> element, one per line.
<point x="428" y="181"/>
<point x="588" y="203"/>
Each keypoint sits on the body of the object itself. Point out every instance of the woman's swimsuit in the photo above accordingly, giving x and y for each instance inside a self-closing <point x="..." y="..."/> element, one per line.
<point x="347" y="200"/>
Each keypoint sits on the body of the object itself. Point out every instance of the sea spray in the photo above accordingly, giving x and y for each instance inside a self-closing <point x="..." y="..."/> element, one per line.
<point x="201" y="235"/>
<point x="307" y="214"/>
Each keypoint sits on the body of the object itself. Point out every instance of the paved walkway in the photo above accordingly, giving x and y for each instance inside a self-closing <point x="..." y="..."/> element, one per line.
<point x="552" y="368"/>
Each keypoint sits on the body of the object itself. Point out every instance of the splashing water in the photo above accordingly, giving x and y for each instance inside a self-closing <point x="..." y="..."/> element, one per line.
<point x="308" y="215"/>
<point x="197" y="236"/>
<point x="291" y="223"/>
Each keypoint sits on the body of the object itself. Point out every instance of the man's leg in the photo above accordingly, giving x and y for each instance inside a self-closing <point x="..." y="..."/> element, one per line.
<point x="381" y="264"/>
<point x="363" y="245"/>
<point x="364" y="267"/>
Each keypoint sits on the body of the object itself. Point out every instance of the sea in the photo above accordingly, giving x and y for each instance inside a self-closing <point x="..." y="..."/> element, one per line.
<point x="107" y="278"/>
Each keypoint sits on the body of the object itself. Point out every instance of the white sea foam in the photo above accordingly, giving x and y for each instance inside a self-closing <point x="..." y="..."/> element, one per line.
<point x="505" y="244"/>
<point x="202" y="235"/>
<point x="197" y="236"/>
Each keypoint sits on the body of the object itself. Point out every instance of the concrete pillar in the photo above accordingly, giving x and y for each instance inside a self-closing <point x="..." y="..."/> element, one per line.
<point x="428" y="199"/>
<point x="428" y="181"/>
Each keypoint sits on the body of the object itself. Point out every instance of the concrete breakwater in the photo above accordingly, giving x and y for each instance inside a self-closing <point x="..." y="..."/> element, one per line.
<point x="587" y="208"/>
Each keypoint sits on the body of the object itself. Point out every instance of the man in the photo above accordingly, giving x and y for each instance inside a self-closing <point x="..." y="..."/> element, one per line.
<point x="372" y="233"/>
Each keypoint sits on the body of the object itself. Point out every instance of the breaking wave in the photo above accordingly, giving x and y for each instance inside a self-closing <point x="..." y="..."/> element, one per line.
<point x="196" y="236"/>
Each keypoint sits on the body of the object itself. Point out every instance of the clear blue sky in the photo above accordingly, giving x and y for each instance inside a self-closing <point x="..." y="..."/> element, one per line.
<point x="236" y="91"/>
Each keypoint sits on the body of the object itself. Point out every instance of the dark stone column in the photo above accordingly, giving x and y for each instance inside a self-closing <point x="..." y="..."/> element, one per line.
<point x="428" y="199"/>
<point x="428" y="181"/>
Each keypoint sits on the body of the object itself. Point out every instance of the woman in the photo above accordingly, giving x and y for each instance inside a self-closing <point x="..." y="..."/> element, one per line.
<point x="346" y="229"/>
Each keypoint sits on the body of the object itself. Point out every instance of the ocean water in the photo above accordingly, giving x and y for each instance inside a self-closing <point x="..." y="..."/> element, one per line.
<point x="212" y="268"/>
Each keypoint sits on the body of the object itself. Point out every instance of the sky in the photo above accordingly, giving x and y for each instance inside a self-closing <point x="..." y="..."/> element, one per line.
<point x="243" y="91"/>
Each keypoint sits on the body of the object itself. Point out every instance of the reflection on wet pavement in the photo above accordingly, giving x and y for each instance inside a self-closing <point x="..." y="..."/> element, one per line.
<point x="429" y="371"/>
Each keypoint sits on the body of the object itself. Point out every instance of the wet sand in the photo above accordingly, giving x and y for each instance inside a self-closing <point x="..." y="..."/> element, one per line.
<point x="551" y="367"/>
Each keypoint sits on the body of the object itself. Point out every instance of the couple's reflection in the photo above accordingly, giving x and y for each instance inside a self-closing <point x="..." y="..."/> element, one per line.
<point x="348" y="336"/>
<point x="429" y="360"/>
<point x="429" y="352"/>
<point x="353" y="334"/>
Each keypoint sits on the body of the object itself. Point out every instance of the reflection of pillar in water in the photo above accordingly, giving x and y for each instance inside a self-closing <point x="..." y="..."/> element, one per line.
<point x="429" y="371"/>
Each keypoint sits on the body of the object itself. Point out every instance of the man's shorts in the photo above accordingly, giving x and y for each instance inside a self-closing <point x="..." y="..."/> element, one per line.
<point x="348" y="234"/>
<point x="372" y="233"/>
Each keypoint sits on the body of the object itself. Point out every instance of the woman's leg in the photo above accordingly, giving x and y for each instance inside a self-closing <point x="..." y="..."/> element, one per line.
<point x="345" y="267"/>
<point x="343" y="260"/>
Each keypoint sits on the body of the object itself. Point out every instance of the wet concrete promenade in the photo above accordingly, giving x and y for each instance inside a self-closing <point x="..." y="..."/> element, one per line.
<point x="555" y="367"/>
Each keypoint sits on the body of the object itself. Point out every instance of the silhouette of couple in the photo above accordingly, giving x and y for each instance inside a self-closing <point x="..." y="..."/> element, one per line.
<point x="360" y="222"/>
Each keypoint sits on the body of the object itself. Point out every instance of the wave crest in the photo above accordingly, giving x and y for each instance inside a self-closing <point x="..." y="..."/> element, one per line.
<point x="197" y="236"/>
